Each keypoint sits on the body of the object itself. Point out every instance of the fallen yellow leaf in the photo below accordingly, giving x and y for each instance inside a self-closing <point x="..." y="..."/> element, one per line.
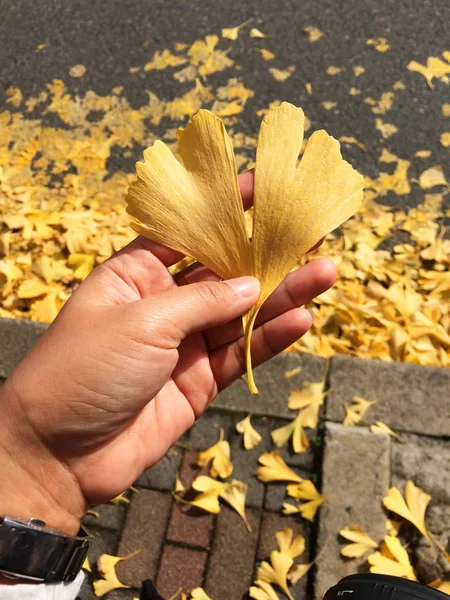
<point x="355" y="413"/>
<point x="280" y="74"/>
<point x="412" y="507"/>
<point x="306" y="490"/>
<point x="362" y="542"/>
<point x="251" y="436"/>
<point x="380" y="44"/>
<point x="219" y="457"/>
<point x="234" y="493"/>
<point x="380" y="427"/>
<point x="262" y="591"/>
<point x="276" y="571"/>
<point x="233" y="32"/>
<point x="275" y="469"/>
<point x="314" y="34"/>
<point x="256" y="33"/>
<point x="392" y="560"/>
<point x="199" y="594"/>
<point x="289" y="545"/>
<point x="432" y="177"/>
<point x="266" y="54"/>
<point x="293" y="429"/>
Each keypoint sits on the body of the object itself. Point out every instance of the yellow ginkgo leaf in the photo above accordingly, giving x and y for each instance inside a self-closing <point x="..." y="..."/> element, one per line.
<point x="86" y="566"/>
<point x="32" y="288"/>
<point x="233" y="32"/>
<point x="266" y="54"/>
<point x="392" y="560"/>
<point x="234" y="493"/>
<point x="294" y="206"/>
<point x="393" y="526"/>
<point x="251" y="436"/>
<point x="82" y="264"/>
<point x="380" y="427"/>
<point x="299" y="571"/>
<point x="292" y="372"/>
<point x="432" y="177"/>
<point x="289" y="545"/>
<point x="262" y="591"/>
<point x="107" y="562"/>
<point x="194" y="205"/>
<point x="362" y="542"/>
<point x="306" y="490"/>
<point x="208" y="499"/>
<point x="355" y="413"/>
<point x="108" y="583"/>
<point x="441" y="585"/>
<point x="290" y="509"/>
<point x="256" y="33"/>
<point x="276" y="571"/>
<point x="275" y="469"/>
<point x="309" y="398"/>
<point x="295" y="430"/>
<point x="219" y="456"/>
<point x="199" y="594"/>
<point x="179" y="487"/>
<point x="413" y="509"/>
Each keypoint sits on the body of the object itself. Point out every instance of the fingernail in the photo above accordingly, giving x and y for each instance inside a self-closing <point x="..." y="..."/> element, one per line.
<point x="244" y="286"/>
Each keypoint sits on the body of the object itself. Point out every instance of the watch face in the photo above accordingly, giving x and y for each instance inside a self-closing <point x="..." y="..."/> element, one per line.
<point x="30" y="551"/>
<point x="368" y="586"/>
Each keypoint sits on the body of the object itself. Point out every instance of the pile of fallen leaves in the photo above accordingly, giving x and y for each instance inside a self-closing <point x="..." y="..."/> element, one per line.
<point x="62" y="203"/>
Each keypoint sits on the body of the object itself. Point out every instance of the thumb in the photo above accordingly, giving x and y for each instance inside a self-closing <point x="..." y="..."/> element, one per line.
<point x="199" y="306"/>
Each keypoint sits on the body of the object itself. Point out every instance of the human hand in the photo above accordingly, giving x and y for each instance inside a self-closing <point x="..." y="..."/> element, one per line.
<point x="134" y="357"/>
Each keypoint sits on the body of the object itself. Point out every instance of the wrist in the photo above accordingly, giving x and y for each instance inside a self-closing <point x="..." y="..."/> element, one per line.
<point x="33" y="482"/>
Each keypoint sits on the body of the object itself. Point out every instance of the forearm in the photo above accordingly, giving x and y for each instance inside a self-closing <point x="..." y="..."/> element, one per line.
<point x="33" y="482"/>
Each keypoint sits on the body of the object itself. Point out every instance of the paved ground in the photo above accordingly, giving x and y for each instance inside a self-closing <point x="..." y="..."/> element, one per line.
<point x="354" y="468"/>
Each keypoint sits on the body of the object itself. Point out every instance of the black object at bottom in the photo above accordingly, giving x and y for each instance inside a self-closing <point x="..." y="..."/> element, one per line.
<point x="369" y="586"/>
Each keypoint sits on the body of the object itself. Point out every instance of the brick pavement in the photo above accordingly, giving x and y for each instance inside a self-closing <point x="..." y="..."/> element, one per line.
<point x="183" y="547"/>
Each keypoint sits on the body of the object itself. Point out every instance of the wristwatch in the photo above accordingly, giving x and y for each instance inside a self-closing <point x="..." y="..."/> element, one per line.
<point x="31" y="551"/>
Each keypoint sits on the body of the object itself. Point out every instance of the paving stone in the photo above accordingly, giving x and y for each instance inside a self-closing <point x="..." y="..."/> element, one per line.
<point x="145" y="527"/>
<point x="206" y="430"/>
<point x="409" y="397"/>
<point x="112" y="516"/>
<point x="180" y="568"/>
<point x="17" y="337"/>
<point x="190" y="525"/>
<point x="356" y="477"/>
<point x="426" y="462"/>
<point x="274" y="387"/>
<point x="231" y="562"/>
<point x="276" y="493"/>
<point x="162" y="475"/>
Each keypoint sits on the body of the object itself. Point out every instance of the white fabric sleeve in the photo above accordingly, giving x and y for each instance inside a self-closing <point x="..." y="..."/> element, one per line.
<point x="43" y="591"/>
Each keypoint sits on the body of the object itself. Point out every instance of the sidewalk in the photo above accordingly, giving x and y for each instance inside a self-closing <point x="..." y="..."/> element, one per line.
<point x="353" y="467"/>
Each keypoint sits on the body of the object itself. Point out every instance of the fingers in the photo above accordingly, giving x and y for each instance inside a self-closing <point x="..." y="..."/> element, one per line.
<point x="299" y="288"/>
<point x="246" y="183"/>
<point x="228" y="362"/>
<point x="190" y="308"/>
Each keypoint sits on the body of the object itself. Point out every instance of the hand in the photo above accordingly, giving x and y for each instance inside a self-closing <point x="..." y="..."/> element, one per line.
<point x="134" y="357"/>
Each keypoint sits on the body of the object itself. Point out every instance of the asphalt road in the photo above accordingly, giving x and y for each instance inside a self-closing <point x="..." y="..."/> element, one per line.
<point x="110" y="36"/>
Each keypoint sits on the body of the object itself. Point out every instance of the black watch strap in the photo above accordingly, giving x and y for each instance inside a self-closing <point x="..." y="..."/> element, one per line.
<point x="28" y="550"/>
